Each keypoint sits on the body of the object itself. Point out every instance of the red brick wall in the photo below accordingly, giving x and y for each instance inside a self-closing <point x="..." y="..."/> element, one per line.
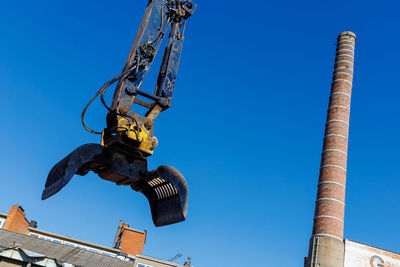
<point x="16" y="220"/>
<point x="132" y="241"/>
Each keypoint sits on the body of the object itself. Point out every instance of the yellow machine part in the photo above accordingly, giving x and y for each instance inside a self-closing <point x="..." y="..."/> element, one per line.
<point x="147" y="143"/>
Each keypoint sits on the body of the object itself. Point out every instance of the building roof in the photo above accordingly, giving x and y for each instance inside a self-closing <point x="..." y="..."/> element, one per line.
<point x="73" y="240"/>
<point x="61" y="253"/>
<point x="153" y="260"/>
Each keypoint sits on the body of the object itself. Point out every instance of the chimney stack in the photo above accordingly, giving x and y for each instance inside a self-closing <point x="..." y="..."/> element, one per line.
<point x="326" y="244"/>
<point x="16" y="220"/>
<point x="130" y="241"/>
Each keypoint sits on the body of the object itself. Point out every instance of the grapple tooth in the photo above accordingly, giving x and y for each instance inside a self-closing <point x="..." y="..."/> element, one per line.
<point x="64" y="170"/>
<point x="167" y="193"/>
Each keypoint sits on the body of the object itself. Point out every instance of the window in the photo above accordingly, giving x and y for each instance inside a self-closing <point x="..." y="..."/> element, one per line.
<point x="1" y="223"/>
<point x="143" y="265"/>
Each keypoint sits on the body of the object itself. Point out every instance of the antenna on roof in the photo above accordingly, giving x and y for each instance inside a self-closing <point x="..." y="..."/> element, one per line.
<point x="177" y="256"/>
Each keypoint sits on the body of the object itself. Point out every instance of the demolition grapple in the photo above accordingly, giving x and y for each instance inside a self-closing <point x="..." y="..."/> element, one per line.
<point x="128" y="139"/>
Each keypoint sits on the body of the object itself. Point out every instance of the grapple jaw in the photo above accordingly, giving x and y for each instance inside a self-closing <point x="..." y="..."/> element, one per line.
<point x="167" y="193"/>
<point x="165" y="188"/>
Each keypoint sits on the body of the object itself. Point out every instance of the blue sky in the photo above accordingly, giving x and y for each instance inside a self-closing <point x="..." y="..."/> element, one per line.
<point x="245" y="127"/>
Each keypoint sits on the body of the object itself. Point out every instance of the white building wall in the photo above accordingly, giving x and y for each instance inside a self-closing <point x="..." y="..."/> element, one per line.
<point x="362" y="255"/>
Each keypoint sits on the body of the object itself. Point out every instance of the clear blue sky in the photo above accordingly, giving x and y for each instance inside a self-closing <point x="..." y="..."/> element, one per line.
<point x="245" y="127"/>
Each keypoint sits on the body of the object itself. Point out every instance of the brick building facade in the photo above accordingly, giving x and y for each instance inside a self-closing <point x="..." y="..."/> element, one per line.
<point x="22" y="244"/>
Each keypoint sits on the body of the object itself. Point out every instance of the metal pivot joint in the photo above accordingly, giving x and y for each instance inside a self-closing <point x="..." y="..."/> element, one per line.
<point x="128" y="139"/>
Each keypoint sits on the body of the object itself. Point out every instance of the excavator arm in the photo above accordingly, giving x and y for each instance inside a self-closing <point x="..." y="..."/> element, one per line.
<point x="128" y="139"/>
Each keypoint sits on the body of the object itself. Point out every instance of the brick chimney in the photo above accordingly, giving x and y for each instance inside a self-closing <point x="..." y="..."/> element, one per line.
<point x="16" y="220"/>
<point x="129" y="240"/>
<point x="326" y="244"/>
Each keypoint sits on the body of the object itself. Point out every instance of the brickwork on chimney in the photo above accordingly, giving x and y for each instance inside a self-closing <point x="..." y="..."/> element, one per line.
<point x="330" y="203"/>
<point x="16" y="220"/>
<point x="132" y="241"/>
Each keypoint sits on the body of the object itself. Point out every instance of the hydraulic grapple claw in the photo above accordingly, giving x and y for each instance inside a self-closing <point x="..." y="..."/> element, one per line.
<point x="165" y="188"/>
<point x="129" y="138"/>
<point x="64" y="170"/>
<point x="167" y="194"/>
